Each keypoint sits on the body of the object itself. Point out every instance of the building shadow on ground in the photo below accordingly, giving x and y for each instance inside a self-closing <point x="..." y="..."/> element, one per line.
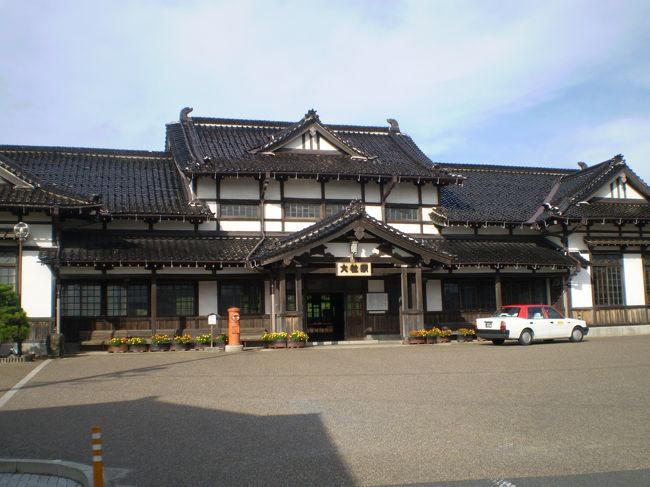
<point x="151" y="442"/>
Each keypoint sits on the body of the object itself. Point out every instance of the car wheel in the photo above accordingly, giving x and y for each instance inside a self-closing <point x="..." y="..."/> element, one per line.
<point x="498" y="341"/>
<point x="576" y="335"/>
<point x="526" y="337"/>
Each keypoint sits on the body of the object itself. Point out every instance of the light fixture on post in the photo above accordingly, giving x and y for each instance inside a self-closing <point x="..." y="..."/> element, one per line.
<point x="21" y="232"/>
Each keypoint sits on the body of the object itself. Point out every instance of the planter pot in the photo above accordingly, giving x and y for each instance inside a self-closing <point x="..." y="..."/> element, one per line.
<point x="220" y="345"/>
<point x="432" y="340"/>
<point x="278" y="344"/>
<point x="201" y="346"/>
<point x="118" y="348"/>
<point x="417" y="340"/>
<point x="137" y="348"/>
<point x="296" y="344"/>
<point x="443" y="339"/>
<point x="159" y="347"/>
<point x="464" y="338"/>
<point x="179" y="347"/>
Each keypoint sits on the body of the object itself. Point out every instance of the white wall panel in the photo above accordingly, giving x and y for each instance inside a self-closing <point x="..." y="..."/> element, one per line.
<point x="273" y="210"/>
<point x="272" y="190"/>
<point x="434" y="295"/>
<point x="343" y="190"/>
<point x="429" y="194"/>
<point x="302" y="188"/>
<point x="239" y="189"/>
<point x="273" y="226"/>
<point x="634" y="279"/>
<point x="580" y="286"/>
<point x="295" y="226"/>
<point x="407" y="227"/>
<point x="240" y="225"/>
<point x="373" y="193"/>
<point x="207" y="297"/>
<point x="36" y="286"/>
<point x="375" y="212"/>
<point x="403" y="193"/>
<point x="206" y="187"/>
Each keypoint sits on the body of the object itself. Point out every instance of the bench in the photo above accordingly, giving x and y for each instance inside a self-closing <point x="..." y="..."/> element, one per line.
<point x="94" y="338"/>
<point x="251" y="335"/>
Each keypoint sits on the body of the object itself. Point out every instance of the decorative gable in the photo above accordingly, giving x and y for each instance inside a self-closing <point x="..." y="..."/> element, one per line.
<point x="620" y="187"/>
<point x="309" y="136"/>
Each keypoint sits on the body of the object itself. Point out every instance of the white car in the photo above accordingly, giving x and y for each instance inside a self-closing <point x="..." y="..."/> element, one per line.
<point x="528" y="322"/>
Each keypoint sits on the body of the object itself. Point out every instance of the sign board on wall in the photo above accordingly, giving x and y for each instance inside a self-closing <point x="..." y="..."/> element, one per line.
<point x="353" y="269"/>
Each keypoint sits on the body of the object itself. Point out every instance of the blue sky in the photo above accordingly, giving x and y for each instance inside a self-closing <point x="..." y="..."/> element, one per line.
<point x="508" y="82"/>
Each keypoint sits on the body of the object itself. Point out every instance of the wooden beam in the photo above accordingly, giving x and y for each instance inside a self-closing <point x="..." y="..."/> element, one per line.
<point x="388" y="189"/>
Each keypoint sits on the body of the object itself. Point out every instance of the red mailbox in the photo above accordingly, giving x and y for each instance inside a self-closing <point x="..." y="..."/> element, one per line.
<point x="233" y="327"/>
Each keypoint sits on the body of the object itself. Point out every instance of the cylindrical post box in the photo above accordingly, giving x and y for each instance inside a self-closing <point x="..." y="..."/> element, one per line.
<point x="233" y="327"/>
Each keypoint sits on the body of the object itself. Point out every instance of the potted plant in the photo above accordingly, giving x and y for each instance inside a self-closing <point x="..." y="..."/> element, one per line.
<point x="465" y="334"/>
<point x="220" y="341"/>
<point x="433" y="334"/>
<point x="160" y="342"/>
<point x="181" y="342"/>
<point x="275" y="339"/>
<point x="203" y="341"/>
<point x="297" y="339"/>
<point x="117" y="345"/>
<point x="417" y="337"/>
<point x="136" y="344"/>
<point x="445" y="335"/>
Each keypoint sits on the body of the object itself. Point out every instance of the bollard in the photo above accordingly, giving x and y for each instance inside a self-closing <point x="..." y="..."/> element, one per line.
<point x="98" y="462"/>
<point x="234" y="343"/>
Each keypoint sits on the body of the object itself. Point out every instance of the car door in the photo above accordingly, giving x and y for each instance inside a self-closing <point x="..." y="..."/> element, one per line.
<point x="538" y="321"/>
<point x="559" y="326"/>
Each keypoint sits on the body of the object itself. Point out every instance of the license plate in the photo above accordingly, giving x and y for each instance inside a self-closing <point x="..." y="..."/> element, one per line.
<point x="488" y="324"/>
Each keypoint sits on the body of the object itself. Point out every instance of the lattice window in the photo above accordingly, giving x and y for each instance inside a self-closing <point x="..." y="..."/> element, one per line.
<point x="176" y="299"/>
<point x="399" y="214"/>
<point x="81" y="299"/>
<point x="307" y="211"/>
<point x="245" y="295"/>
<point x="8" y="267"/>
<point x="234" y="210"/>
<point x="607" y="279"/>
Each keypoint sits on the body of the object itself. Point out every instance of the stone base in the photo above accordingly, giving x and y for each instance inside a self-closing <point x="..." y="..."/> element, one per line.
<point x="234" y="348"/>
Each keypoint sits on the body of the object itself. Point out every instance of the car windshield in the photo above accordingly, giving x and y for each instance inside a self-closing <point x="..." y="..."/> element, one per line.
<point x="508" y="311"/>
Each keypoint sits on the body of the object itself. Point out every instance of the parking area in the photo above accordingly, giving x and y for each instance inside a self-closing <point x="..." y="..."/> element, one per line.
<point x="377" y="415"/>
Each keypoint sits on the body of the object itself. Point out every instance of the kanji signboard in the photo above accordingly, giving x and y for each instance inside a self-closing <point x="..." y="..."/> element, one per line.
<point x="353" y="269"/>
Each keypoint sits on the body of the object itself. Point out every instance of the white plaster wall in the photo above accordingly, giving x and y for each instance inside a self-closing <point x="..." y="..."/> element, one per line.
<point x="576" y="242"/>
<point x="183" y="271"/>
<point x="123" y="225"/>
<point x="458" y="231"/>
<point x="209" y="226"/>
<point x="407" y="227"/>
<point x="240" y="225"/>
<point x="36" y="286"/>
<point x="580" y="285"/>
<point x="273" y="226"/>
<point x="604" y="190"/>
<point x="239" y="189"/>
<point x="430" y="229"/>
<point x="33" y="217"/>
<point x="633" y="272"/>
<point x="524" y="231"/>
<point x="373" y="195"/>
<point x="40" y="234"/>
<point x="403" y="193"/>
<point x="339" y="249"/>
<point x="206" y="188"/>
<point x="295" y="226"/>
<point x="434" y="295"/>
<point x="296" y="143"/>
<point x="429" y="194"/>
<point x="174" y="225"/>
<point x="343" y="190"/>
<point x="273" y="190"/>
<point x="207" y="297"/>
<point x="302" y="188"/>
<point x="493" y="231"/>
<point x="273" y="210"/>
<point x="375" y="212"/>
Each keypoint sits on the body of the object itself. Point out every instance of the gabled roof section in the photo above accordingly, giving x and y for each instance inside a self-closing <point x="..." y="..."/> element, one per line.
<point x="125" y="183"/>
<point x="311" y="124"/>
<point x="350" y="219"/>
<point x="497" y="194"/>
<point x="220" y="146"/>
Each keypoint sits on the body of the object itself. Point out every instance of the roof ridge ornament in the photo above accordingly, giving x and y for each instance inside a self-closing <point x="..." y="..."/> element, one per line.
<point x="185" y="114"/>
<point x="394" y="126"/>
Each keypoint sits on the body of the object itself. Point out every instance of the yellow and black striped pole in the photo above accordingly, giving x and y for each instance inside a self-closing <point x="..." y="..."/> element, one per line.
<point x="98" y="461"/>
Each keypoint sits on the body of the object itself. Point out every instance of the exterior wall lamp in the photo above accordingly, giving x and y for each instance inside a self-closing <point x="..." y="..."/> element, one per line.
<point x="21" y="232"/>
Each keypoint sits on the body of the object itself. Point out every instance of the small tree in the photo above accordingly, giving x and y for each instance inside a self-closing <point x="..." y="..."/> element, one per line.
<point x="14" y="325"/>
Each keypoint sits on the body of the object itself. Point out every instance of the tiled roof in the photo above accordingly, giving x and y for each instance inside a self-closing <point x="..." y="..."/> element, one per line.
<point x="619" y="210"/>
<point x="90" y="248"/>
<point x="222" y="146"/>
<point x="503" y="253"/>
<point x="129" y="183"/>
<point x="354" y="215"/>
<point x="497" y="194"/>
<point x="617" y="241"/>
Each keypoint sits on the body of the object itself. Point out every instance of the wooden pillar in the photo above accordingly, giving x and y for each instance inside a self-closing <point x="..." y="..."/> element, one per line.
<point x="419" y="307"/>
<point x="153" y="293"/>
<point x="299" y="309"/>
<point x="404" y="294"/>
<point x="497" y="289"/>
<point x="282" y="299"/>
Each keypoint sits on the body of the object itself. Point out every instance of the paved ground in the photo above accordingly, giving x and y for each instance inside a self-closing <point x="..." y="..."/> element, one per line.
<point x="458" y="414"/>
<point x="31" y="480"/>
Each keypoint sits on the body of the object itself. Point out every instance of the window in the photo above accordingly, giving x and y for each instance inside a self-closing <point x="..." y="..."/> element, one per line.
<point x="398" y="214"/>
<point x="469" y="296"/>
<point x="334" y="208"/>
<point x="607" y="279"/>
<point x="245" y="295"/>
<point x="176" y="299"/>
<point x="302" y="210"/>
<point x="8" y="268"/>
<point x="235" y="210"/>
<point x="552" y="314"/>
<point x="535" y="313"/>
<point x="81" y="299"/>
<point x="127" y="300"/>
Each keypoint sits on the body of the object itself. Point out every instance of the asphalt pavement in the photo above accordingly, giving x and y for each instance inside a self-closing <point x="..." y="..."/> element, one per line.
<point x="457" y="414"/>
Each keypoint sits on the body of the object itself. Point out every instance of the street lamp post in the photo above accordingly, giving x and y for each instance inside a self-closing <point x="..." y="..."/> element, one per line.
<point x="21" y="232"/>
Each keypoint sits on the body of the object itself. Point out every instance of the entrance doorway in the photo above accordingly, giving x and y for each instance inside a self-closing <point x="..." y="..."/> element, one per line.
<point x="325" y="316"/>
